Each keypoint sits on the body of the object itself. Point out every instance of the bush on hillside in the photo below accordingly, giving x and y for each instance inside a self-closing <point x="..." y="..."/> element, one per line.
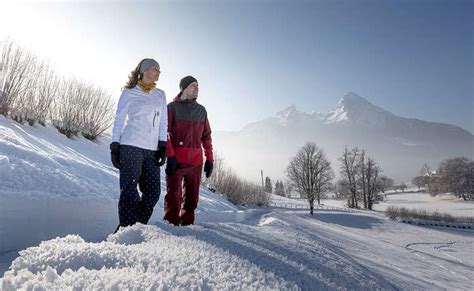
<point x="237" y="190"/>
<point x="31" y="92"/>
<point x="394" y="212"/>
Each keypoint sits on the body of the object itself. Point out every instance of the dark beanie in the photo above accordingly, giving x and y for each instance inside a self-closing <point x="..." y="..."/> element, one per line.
<point x="186" y="81"/>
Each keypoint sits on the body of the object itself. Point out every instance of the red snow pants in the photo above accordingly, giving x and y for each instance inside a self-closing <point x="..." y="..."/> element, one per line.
<point x="182" y="194"/>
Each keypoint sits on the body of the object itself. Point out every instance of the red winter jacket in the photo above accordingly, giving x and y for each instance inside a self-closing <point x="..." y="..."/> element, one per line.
<point x="189" y="131"/>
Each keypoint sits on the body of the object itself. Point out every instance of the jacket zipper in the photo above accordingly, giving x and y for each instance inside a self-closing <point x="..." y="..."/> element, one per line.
<point x="154" y="119"/>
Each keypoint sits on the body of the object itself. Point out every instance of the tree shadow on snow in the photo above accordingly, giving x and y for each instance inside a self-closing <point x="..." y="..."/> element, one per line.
<point x="346" y="219"/>
<point x="310" y="266"/>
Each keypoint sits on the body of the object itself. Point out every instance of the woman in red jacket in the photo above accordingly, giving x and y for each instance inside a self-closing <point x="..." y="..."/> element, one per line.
<point x="189" y="132"/>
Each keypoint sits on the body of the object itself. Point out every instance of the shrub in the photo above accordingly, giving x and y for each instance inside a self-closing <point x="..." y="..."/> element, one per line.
<point x="394" y="212"/>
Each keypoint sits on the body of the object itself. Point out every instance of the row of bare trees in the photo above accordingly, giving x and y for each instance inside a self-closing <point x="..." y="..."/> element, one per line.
<point x="237" y="190"/>
<point x="310" y="173"/>
<point x="362" y="183"/>
<point x="455" y="176"/>
<point x="82" y="108"/>
<point x="32" y="92"/>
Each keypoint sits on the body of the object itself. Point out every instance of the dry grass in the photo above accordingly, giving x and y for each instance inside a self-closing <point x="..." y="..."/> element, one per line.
<point x="394" y="212"/>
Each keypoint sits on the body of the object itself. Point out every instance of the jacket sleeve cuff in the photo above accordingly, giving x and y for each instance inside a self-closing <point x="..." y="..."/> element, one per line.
<point x="169" y="149"/>
<point x="161" y="144"/>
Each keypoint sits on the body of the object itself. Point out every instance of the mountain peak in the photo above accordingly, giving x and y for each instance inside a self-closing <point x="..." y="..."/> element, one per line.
<point x="352" y="100"/>
<point x="356" y="109"/>
<point x="288" y="112"/>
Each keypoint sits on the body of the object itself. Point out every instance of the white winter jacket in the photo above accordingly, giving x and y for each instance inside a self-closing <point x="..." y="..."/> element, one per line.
<point x="141" y="119"/>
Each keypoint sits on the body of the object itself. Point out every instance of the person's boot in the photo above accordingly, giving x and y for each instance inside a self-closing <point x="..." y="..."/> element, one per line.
<point x="172" y="216"/>
<point x="187" y="218"/>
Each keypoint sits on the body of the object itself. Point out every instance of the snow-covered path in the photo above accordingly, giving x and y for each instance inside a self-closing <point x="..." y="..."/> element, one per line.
<point x="270" y="249"/>
<point x="386" y="248"/>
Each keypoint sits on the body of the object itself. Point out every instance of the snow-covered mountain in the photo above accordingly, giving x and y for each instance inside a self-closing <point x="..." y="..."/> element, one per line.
<point x="355" y="110"/>
<point x="400" y="145"/>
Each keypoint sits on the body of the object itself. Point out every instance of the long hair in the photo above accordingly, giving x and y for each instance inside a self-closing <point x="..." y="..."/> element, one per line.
<point x="134" y="76"/>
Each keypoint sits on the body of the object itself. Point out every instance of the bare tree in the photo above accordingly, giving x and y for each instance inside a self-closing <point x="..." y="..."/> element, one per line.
<point x="310" y="172"/>
<point x="457" y="177"/>
<point x="30" y="91"/>
<point x="24" y="107"/>
<point x="15" y="64"/>
<point x="219" y="167"/>
<point x="228" y="185"/>
<point x="238" y="191"/>
<point x="67" y="107"/>
<point x="469" y="184"/>
<point x="342" y="189"/>
<point x="425" y="170"/>
<point x="37" y="97"/>
<point x="373" y="185"/>
<point x="368" y="181"/>
<point x="349" y="160"/>
<point x="288" y="188"/>
<point x="402" y="187"/>
<point x="254" y="194"/>
<point x="82" y="108"/>
<point x="97" y="115"/>
<point x="427" y="174"/>
<point x="385" y="183"/>
<point x="46" y="91"/>
<point x="361" y="181"/>
<point x="418" y="181"/>
<point x="361" y="177"/>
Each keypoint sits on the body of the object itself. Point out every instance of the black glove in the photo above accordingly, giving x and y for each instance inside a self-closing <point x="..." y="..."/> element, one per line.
<point x="115" y="154"/>
<point x="208" y="166"/>
<point x="171" y="166"/>
<point x="160" y="156"/>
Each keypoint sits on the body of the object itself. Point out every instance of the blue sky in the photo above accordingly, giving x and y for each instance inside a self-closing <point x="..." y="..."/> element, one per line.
<point x="254" y="58"/>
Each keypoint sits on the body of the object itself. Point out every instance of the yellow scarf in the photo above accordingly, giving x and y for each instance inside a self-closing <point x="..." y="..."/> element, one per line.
<point x="146" y="88"/>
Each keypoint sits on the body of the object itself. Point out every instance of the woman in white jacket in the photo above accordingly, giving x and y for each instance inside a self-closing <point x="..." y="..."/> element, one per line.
<point x="138" y="147"/>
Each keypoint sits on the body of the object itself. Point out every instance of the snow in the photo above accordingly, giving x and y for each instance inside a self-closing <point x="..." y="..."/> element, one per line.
<point x="445" y="203"/>
<point x="292" y="115"/>
<point x="411" y="199"/>
<point x="328" y="203"/>
<point x="405" y="142"/>
<point x="58" y="206"/>
<point x="137" y="257"/>
<point x="356" y="109"/>
<point x="287" y="113"/>
<point x="50" y="164"/>
<point x="351" y="108"/>
<point x="281" y="250"/>
<point x="337" y="116"/>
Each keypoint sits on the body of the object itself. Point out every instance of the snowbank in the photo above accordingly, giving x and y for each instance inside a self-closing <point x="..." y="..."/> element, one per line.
<point x="139" y="257"/>
<point x="38" y="162"/>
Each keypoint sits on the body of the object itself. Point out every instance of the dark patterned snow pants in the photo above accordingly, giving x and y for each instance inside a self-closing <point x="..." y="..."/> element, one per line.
<point x="138" y="166"/>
